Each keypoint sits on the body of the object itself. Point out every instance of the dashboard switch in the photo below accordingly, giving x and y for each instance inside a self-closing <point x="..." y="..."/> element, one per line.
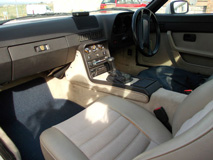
<point x="90" y="64"/>
<point x="42" y="48"/>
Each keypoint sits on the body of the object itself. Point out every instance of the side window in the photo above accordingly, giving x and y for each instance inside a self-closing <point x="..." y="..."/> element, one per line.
<point x="108" y="1"/>
<point x="121" y="1"/>
<point x="136" y="1"/>
<point x="195" y="7"/>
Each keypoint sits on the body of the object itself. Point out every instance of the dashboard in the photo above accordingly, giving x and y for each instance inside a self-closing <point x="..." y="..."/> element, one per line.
<point x="33" y="47"/>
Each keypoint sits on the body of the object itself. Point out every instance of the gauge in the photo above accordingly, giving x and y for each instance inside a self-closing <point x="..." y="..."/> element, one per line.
<point x="87" y="50"/>
<point x="93" y="47"/>
<point x="100" y="46"/>
<point x="117" y="25"/>
<point x="127" y="23"/>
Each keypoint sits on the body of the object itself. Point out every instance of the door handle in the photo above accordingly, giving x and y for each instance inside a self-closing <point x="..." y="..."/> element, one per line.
<point x="189" y="37"/>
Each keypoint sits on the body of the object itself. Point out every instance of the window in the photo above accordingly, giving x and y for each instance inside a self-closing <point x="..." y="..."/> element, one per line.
<point x="108" y="1"/>
<point x="195" y="7"/>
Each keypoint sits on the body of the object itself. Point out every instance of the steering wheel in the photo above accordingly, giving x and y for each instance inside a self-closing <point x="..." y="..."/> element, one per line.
<point x="141" y="31"/>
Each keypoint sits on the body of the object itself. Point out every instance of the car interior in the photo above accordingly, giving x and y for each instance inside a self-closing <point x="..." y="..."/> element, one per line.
<point x="125" y="85"/>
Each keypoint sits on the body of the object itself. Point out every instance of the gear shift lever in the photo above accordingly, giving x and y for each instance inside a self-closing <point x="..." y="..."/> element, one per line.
<point x="112" y="65"/>
<point x="115" y="75"/>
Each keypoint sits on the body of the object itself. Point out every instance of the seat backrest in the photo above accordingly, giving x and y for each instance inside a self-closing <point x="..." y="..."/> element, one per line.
<point x="192" y="129"/>
<point x="195" y="102"/>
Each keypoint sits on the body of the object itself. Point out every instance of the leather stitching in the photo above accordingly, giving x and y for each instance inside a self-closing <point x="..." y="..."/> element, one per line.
<point x="100" y="132"/>
<point x="110" y="141"/>
<point x="72" y="142"/>
<point x="132" y="123"/>
<point x="131" y="142"/>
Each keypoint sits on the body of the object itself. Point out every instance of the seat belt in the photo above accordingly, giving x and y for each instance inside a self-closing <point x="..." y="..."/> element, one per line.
<point x="161" y="115"/>
<point x="5" y="153"/>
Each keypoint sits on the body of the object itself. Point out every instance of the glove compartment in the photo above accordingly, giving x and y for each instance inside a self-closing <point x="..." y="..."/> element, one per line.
<point x="5" y="66"/>
<point x="32" y="58"/>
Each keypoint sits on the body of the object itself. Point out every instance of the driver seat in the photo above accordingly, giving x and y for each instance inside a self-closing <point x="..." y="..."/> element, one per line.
<point x="113" y="128"/>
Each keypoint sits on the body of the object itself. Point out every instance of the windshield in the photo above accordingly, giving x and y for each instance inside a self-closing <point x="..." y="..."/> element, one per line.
<point x="12" y="9"/>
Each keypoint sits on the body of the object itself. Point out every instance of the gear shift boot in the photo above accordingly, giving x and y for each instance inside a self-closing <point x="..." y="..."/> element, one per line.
<point x="119" y="77"/>
<point x="116" y="76"/>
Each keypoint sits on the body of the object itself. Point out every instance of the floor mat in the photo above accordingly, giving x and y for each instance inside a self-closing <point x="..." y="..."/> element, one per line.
<point x="29" y="109"/>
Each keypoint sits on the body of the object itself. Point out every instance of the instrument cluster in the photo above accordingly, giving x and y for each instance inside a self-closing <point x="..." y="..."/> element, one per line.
<point x="122" y="31"/>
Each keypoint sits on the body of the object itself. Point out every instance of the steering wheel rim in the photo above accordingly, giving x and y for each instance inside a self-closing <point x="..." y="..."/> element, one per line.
<point x="141" y="31"/>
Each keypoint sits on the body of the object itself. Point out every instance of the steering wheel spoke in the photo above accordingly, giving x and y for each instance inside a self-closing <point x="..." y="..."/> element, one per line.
<point x="141" y="31"/>
<point x="149" y="15"/>
<point x="145" y="32"/>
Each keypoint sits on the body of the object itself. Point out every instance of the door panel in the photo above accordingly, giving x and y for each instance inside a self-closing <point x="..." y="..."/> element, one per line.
<point x="202" y="46"/>
<point x="186" y="42"/>
<point x="194" y="56"/>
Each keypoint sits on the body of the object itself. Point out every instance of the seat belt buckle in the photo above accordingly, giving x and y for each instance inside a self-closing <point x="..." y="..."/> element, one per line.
<point x="188" y="91"/>
<point x="161" y="115"/>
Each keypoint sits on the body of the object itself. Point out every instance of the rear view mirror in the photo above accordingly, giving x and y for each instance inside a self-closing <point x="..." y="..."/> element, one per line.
<point x="179" y="7"/>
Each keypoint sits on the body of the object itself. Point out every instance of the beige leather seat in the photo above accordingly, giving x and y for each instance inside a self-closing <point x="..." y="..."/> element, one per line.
<point x="113" y="128"/>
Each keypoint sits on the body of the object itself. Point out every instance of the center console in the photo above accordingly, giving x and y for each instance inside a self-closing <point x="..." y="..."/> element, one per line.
<point x="101" y="69"/>
<point x="96" y="59"/>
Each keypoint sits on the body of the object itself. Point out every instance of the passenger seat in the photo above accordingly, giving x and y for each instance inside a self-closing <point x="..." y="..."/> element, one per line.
<point x="113" y="128"/>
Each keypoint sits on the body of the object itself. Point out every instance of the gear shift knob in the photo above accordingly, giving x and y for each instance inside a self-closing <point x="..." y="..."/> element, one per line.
<point x="111" y="62"/>
<point x="111" y="59"/>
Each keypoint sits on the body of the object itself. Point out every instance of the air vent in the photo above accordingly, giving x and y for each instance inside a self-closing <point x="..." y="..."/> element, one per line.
<point x="90" y="35"/>
<point x="86" y="22"/>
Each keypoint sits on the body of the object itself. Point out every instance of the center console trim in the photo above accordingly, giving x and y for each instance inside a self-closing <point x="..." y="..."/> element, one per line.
<point x="147" y="91"/>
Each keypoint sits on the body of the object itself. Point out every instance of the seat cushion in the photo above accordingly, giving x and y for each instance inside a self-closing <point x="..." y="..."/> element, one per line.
<point x="111" y="128"/>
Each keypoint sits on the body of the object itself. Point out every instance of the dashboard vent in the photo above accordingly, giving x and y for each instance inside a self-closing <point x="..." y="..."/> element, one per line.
<point x="90" y="35"/>
<point x="86" y="22"/>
